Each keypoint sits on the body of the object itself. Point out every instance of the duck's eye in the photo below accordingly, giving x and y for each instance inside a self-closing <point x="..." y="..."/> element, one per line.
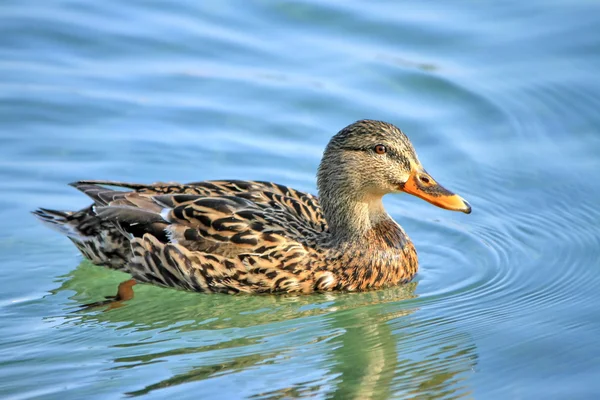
<point x="380" y="149"/>
<point x="424" y="179"/>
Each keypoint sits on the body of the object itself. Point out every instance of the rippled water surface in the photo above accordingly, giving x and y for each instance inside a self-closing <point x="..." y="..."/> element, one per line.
<point x="501" y="100"/>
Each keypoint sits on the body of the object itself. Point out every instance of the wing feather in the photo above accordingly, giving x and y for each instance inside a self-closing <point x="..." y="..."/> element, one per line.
<point x="226" y="236"/>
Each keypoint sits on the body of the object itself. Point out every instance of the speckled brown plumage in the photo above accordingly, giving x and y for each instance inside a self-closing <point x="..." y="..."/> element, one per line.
<point x="260" y="237"/>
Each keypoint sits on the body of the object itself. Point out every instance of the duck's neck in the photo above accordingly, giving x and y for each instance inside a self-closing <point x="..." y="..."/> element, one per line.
<point x="360" y="221"/>
<point x="352" y="207"/>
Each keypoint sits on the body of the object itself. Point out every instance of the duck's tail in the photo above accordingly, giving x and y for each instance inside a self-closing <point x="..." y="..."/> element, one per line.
<point x="60" y="221"/>
<point x="99" y="241"/>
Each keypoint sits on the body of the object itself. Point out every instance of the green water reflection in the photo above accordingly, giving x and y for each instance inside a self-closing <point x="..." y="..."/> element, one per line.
<point x="366" y="342"/>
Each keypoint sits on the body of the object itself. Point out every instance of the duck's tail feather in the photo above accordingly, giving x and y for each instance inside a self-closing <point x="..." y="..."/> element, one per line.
<point x="60" y="221"/>
<point x="98" y="240"/>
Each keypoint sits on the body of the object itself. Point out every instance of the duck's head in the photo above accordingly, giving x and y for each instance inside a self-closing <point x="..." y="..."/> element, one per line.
<point x="369" y="159"/>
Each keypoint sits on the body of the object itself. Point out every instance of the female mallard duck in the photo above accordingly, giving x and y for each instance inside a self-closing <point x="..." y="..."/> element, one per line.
<point x="260" y="237"/>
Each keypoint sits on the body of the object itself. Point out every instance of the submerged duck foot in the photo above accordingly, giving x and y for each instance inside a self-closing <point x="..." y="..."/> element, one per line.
<point x="124" y="293"/>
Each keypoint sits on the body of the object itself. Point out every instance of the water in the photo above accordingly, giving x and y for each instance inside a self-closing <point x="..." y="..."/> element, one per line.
<point x="500" y="100"/>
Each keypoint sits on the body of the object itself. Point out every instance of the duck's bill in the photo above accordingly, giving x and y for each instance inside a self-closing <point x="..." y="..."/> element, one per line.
<point x="422" y="185"/>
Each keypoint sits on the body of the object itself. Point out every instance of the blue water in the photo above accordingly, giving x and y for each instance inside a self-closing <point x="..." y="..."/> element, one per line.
<point x="500" y="99"/>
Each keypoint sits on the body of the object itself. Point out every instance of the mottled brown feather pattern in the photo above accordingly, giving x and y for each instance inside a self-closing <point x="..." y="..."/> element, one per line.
<point x="234" y="236"/>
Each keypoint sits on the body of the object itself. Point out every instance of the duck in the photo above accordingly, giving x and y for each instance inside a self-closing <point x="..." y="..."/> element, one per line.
<point x="258" y="237"/>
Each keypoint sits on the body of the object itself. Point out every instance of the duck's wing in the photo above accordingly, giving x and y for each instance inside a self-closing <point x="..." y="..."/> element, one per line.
<point x="104" y="244"/>
<point x="224" y="225"/>
<point x="255" y="241"/>
<point x="302" y="205"/>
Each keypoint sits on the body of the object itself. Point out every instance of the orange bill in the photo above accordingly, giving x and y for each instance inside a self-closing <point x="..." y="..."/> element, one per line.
<point x="422" y="185"/>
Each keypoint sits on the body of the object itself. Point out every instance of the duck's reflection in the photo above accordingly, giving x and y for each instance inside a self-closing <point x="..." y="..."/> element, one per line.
<point x="367" y="345"/>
